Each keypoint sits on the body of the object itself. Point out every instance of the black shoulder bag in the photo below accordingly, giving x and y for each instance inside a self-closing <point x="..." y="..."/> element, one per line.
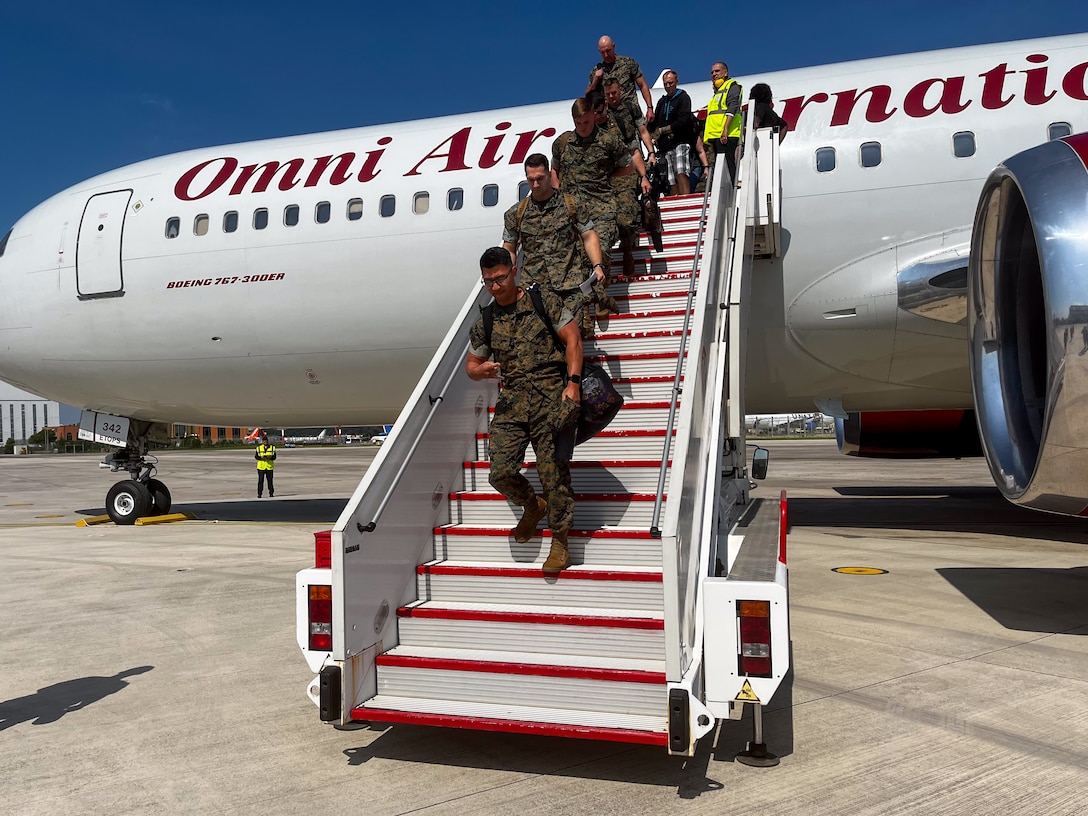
<point x="600" y="400"/>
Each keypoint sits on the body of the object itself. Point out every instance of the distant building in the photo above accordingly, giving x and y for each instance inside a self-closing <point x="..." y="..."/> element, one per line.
<point x="23" y="414"/>
<point x="216" y="433"/>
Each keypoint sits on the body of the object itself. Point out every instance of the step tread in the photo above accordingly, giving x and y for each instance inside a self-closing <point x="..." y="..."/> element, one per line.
<point x="596" y="572"/>
<point x="478" y="464"/>
<point x="601" y="616"/>
<point x="496" y="661"/>
<point x="640" y="533"/>
<point x="491" y="495"/>
<point x="517" y="719"/>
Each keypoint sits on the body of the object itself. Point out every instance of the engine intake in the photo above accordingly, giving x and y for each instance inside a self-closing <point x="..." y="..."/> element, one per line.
<point x="1028" y="325"/>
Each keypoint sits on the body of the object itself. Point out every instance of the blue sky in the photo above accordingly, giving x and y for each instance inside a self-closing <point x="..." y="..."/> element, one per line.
<point x="88" y="87"/>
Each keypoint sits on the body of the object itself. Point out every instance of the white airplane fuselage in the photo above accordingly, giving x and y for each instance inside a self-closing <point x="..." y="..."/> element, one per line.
<point x="332" y="321"/>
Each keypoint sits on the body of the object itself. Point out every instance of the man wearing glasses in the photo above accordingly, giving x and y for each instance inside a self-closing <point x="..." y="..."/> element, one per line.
<point x="537" y="404"/>
<point x="674" y="132"/>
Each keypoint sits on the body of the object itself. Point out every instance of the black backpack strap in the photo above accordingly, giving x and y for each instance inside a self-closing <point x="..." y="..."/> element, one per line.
<point x="488" y="314"/>
<point x="538" y="306"/>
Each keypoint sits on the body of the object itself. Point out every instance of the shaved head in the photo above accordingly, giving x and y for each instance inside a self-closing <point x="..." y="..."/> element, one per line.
<point x="607" y="49"/>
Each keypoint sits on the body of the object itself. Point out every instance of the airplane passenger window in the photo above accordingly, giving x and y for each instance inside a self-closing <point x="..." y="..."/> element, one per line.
<point x="200" y="224"/>
<point x="290" y="215"/>
<point x="870" y="154"/>
<point x="230" y="221"/>
<point x="260" y="218"/>
<point x="355" y="209"/>
<point x="523" y="190"/>
<point x="173" y="227"/>
<point x="1058" y="130"/>
<point x="323" y="212"/>
<point x="963" y="144"/>
<point x="491" y="195"/>
<point x="825" y="159"/>
<point x="387" y="206"/>
<point x="455" y="199"/>
<point x="421" y="203"/>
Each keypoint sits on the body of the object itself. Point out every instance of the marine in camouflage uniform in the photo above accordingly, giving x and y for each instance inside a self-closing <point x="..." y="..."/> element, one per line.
<point x="559" y="244"/>
<point x="533" y="385"/>
<point x="623" y="123"/>
<point x="624" y="69"/>
<point x="584" y="160"/>
<point x="624" y="120"/>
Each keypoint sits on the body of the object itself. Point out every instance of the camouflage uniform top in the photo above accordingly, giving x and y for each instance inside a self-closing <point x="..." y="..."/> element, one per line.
<point x="522" y="345"/>
<point x="585" y="167"/>
<point x="624" y="122"/>
<point x="551" y="242"/>
<point x="626" y="71"/>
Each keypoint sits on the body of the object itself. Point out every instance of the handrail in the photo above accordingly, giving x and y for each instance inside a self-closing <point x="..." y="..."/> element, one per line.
<point x="435" y="403"/>
<point x="655" y="531"/>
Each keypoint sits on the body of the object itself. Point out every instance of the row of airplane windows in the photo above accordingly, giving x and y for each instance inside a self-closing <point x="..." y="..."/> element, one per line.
<point x="387" y="206"/>
<point x="870" y="154"/>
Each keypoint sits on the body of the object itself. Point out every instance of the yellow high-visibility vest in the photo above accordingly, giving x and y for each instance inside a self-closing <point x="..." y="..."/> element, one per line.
<point x="716" y="114"/>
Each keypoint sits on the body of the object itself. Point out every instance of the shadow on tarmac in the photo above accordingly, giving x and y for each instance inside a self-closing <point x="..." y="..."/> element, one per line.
<point x="541" y="756"/>
<point x="298" y="511"/>
<point x="928" y="507"/>
<point x="50" y="703"/>
<point x="1045" y="600"/>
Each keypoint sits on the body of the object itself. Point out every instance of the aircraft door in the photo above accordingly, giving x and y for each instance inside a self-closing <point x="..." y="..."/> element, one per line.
<point x="98" y="248"/>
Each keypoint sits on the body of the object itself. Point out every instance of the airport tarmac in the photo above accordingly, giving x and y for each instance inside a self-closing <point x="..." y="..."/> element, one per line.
<point x="154" y="669"/>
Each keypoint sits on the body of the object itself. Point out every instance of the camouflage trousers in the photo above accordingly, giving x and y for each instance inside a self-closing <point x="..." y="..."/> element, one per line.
<point x="608" y="232"/>
<point x="626" y="190"/>
<point x="522" y="416"/>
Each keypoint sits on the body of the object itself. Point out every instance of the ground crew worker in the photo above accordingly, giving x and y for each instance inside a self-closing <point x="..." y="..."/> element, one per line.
<point x="584" y="161"/>
<point x="266" y="462"/>
<point x="560" y="247"/>
<point x="538" y="402"/>
<point x="721" y="133"/>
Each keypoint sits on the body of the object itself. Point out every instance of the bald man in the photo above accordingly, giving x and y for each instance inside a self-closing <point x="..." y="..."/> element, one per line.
<point x="624" y="69"/>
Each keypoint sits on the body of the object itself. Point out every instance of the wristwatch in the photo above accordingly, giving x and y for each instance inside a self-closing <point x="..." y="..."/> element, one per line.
<point x="576" y="379"/>
<point x="601" y="265"/>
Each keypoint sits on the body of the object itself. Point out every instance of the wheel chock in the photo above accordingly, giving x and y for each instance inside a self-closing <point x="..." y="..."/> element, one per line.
<point x="90" y="521"/>
<point x="169" y="517"/>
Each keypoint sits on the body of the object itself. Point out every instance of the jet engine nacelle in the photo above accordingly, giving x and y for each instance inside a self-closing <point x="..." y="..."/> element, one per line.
<point x="909" y="435"/>
<point x="1028" y="325"/>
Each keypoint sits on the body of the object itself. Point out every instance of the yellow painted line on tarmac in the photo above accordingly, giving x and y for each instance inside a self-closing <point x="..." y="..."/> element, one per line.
<point x="92" y="520"/>
<point x="53" y="515"/>
<point x="859" y="571"/>
<point x="23" y="504"/>
<point x="167" y="519"/>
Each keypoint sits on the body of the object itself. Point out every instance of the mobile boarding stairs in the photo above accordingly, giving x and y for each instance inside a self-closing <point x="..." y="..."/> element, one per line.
<point x="422" y="609"/>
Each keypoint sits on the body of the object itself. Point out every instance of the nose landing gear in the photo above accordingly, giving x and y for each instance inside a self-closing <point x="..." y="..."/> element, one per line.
<point x="141" y="495"/>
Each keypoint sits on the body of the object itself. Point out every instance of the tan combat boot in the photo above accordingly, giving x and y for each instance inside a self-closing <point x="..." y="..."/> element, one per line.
<point x="558" y="557"/>
<point x="527" y="526"/>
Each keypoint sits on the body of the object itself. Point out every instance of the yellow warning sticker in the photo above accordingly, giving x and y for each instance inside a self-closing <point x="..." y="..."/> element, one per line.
<point x="859" y="570"/>
<point x="746" y="695"/>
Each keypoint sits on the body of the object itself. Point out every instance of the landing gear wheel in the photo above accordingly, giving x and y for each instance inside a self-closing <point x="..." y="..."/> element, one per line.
<point x="127" y="501"/>
<point x="160" y="497"/>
